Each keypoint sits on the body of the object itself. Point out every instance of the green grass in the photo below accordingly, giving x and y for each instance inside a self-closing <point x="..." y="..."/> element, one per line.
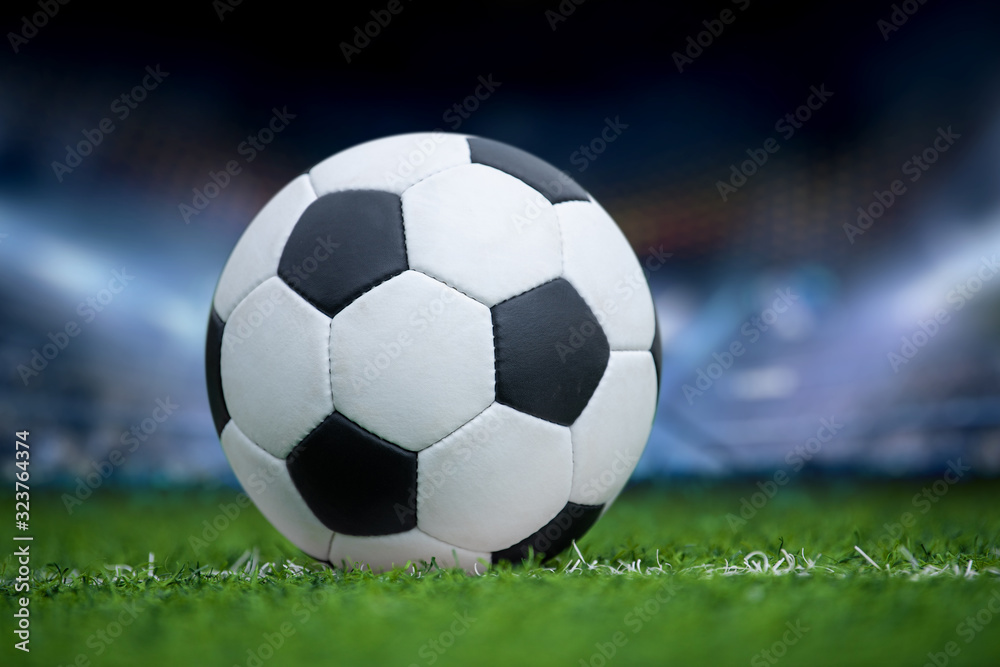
<point x="664" y="570"/>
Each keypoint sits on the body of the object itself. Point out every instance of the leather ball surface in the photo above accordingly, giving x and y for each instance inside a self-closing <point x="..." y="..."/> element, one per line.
<point x="432" y="346"/>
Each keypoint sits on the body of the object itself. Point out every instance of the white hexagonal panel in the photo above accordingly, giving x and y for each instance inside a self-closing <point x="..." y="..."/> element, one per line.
<point x="412" y="360"/>
<point x="255" y="257"/>
<point x="482" y="231"/>
<point x="390" y="163"/>
<point x="265" y="479"/>
<point x="611" y="433"/>
<point x="495" y="481"/>
<point x="599" y="262"/>
<point x="275" y="367"/>
<point x="385" y="552"/>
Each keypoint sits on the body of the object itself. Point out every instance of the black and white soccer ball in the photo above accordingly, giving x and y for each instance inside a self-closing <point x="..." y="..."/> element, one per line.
<point x="432" y="346"/>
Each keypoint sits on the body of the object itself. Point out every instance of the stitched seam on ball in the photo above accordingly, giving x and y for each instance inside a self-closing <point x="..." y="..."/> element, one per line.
<point x="601" y="385"/>
<point x="601" y="388"/>
<point x="282" y="245"/>
<point x="283" y="461"/>
<point x="468" y="154"/>
<point x="444" y="282"/>
<point x="562" y="245"/>
<point x="372" y="285"/>
<point x="329" y="548"/>
<point x="466" y="423"/>
<point x="329" y="364"/>
<point x="376" y="435"/>
<point x="319" y="307"/>
<point x="416" y="491"/>
<point x="533" y="416"/>
<point x="416" y="458"/>
<point x="253" y="442"/>
<point x="302" y="435"/>
<point x="572" y="447"/>
<point x="562" y="271"/>
<point x="337" y="189"/>
<point x="402" y="226"/>
<point x="285" y="237"/>
<point x="454" y="547"/>
<point x="583" y="293"/>
<point x="525" y="291"/>
<point x="538" y="530"/>
<point x="249" y="292"/>
<point x="439" y="171"/>
<point x="496" y="377"/>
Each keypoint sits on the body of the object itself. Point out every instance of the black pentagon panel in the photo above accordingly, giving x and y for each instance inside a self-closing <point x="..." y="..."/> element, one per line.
<point x="550" y="352"/>
<point x="570" y="524"/>
<point x="657" y="351"/>
<point x="213" y="371"/>
<point x="344" y="244"/>
<point x="353" y="481"/>
<point x="542" y="176"/>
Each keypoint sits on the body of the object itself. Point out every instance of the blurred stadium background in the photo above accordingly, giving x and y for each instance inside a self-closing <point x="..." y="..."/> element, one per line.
<point x="824" y="361"/>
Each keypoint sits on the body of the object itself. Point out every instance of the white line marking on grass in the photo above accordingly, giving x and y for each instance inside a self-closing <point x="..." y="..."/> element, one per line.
<point x="250" y="567"/>
<point x="906" y="554"/>
<point x="867" y="557"/>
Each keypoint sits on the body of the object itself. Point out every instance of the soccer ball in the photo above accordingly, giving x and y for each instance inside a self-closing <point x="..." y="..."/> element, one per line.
<point x="432" y="346"/>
